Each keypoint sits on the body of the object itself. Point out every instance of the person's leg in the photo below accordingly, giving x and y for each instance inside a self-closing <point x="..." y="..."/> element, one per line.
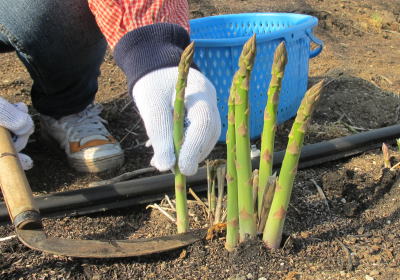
<point x="62" y="48"/>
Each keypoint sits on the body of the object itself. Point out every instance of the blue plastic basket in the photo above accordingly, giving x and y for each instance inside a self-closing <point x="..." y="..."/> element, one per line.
<point x="219" y="41"/>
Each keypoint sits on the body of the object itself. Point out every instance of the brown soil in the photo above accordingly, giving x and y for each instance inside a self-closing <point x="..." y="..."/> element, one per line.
<point x="357" y="237"/>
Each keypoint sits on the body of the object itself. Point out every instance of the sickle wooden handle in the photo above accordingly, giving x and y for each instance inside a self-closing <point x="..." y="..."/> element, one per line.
<point x="14" y="184"/>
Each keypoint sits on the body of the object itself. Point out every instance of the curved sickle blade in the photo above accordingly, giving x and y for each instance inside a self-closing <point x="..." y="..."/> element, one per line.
<point x="37" y="239"/>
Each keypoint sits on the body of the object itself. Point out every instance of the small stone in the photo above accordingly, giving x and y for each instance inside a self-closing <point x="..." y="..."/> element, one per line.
<point x="262" y="278"/>
<point x="377" y="240"/>
<point x="343" y="200"/>
<point x="249" y="276"/>
<point x="349" y="209"/>
<point x="388" y="222"/>
<point x="304" y="234"/>
<point x="237" y="277"/>
<point x="367" y="277"/>
<point x="374" y="273"/>
<point x="361" y="230"/>
<point x="282" y="264"/>
<point x="352" y="240"/>
<point x="342" y="273"/>
<point x="375" y="248"/>
<point x="183" y="254"/>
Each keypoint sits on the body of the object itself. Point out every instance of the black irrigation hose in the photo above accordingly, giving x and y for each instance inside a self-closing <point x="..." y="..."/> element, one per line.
<point x="148" y="189"/>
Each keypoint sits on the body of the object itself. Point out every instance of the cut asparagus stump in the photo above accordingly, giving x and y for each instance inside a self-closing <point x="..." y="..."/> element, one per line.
<point x="270" y="117"/>
<point x="247" y="224"/>
<point x="386" y="156"/>
<point x="266" y="202"/>
<point x="255" y="190"/>
<point x="182" y="220"/>
<point x="211" y="197"/>
<point x="273" y="230"/>
<point x="221" y="172"/>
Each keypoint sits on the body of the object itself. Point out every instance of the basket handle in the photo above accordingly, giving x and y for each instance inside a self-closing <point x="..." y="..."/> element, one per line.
<point x="317" y="41"/>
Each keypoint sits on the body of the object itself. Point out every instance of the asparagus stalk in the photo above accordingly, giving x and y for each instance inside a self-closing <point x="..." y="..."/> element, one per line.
<point x="270" y="117"/>
<point x="273" y="230"/>
<point x="182" y="220"/>
<point x="232" y="218"/>
<point x="247" y="225"/>
<point x="221" y="171"/>
<point x="211" y="197"/>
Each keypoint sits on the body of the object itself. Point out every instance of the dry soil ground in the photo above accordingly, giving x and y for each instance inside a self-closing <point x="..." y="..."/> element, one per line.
<point x="358" y="237"/>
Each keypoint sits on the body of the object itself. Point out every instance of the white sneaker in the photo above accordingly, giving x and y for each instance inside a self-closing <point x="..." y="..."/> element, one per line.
<point x="88" y="144"/>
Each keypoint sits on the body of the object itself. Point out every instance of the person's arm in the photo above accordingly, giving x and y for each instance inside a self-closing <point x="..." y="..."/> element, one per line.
<point x="115" y="18"/>
<point x="147" y="38"/>
<point x="144" y="35"/>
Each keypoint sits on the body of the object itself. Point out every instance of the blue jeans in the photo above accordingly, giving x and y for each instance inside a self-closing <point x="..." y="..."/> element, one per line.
<point x="61" y="46"/>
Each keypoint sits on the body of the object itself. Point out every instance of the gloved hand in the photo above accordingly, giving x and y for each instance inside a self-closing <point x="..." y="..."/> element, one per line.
<point x="154" y="95"/>
<point x="15" y="118"/>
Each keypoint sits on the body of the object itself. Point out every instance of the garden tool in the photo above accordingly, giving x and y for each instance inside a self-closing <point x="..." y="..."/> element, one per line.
<point x="29" y="228"/>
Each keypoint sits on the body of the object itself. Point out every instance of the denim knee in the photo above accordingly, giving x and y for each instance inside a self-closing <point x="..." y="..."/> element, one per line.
<point x="62" y="48"/>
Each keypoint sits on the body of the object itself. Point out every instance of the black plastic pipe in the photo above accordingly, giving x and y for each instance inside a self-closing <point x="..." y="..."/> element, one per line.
<point x="148" y="189"/>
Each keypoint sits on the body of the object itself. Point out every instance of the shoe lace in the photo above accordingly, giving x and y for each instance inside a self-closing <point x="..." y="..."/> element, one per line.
<point x="84" y="124"/>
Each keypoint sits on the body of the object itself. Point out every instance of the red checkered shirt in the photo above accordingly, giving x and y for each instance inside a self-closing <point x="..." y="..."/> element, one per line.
<point x="117" y="17"/>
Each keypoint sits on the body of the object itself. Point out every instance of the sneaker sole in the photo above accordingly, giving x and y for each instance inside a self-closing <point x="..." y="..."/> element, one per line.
<point x="109" y="164"/>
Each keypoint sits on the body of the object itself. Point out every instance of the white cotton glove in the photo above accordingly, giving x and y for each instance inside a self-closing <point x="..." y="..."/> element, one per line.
<point x="154" y="95"/>
<point x="15" y="118"/>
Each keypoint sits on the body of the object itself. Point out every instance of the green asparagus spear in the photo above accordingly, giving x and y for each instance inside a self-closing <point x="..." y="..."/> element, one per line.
<point x="247" y="224"/>
<point x="270" y="117"/>
<point x="232" y="225"/>
<point x="182" y="220"/>
<point x="273" y="230"/>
